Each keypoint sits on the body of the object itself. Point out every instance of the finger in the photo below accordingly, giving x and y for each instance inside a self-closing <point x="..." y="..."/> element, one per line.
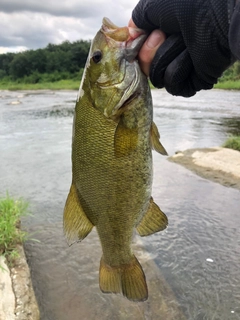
<point x="178" y="74"/>
<point x="149" y="49"/>
<point x="159" y="14"/>
<point x="165" y="54"/>
<point x="181" y="79"/>
<point x="131" y="24"/>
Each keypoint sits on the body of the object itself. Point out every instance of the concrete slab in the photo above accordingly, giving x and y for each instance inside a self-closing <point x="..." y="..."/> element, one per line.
<point x="17" y="298"/>
<point x="7" y="297"/>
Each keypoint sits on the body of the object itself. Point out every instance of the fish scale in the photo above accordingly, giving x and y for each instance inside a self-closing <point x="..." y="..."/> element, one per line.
<point x="113" y="137"/>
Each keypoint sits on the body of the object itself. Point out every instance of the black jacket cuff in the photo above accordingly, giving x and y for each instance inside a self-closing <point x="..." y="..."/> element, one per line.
<point x="234" y="32"/>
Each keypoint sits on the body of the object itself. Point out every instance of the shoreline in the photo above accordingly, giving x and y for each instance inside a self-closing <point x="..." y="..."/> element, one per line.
<point x="70" y="84"/>
<point x="217" y="164"/>
<point x="17" y="297"/>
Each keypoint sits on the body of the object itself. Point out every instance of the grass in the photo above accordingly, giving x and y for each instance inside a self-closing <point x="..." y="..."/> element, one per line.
<point x="56" y="85"/>
<point x="233" y="142"/>
<point x="228" y="85"/>
<point x="70" y="84"/>
<point x="11" y="211"/>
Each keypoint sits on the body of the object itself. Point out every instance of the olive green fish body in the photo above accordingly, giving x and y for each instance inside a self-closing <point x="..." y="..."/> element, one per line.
<point x="114" y="183"/>
<point x="113" y="135"/>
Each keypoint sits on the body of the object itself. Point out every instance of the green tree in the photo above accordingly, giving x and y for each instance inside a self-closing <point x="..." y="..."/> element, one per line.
<point x="64" y="61"/>
<point x="5" y="60"/>
<point x="37" y="60"/>
<point x="19" y="66"/>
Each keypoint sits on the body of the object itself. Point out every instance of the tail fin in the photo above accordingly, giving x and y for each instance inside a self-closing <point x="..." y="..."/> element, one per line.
<point x="127" y="279"/>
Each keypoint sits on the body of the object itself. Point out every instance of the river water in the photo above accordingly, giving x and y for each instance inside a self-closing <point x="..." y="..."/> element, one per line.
<point x="192" y="268"/>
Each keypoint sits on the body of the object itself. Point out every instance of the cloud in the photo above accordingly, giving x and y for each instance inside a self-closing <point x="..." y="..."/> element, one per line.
<point x="76" y="8"/>
<point x="33" y="24"/>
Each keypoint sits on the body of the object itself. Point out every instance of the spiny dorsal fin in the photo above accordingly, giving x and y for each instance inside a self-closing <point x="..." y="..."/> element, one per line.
<point x="128" y="279"/>
<point x="156" y="144"/>
<point x="75" y="222"/>
<point x="153" y="221"/>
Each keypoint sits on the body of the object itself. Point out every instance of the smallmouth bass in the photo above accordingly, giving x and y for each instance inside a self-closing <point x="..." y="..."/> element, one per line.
<point x="113" y="138"/>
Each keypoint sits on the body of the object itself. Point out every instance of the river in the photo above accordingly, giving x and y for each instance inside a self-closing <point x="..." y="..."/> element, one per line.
<point x="192" y="268"/>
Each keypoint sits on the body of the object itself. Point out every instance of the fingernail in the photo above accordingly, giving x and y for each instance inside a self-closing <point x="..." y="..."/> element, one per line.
<point x="154" y="39"/>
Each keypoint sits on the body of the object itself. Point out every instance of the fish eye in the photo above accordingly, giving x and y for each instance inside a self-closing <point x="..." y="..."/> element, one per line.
<point x="97" y="56"/>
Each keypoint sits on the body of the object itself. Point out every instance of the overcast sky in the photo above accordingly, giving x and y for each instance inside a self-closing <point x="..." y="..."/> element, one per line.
<point x="32" y="24"/>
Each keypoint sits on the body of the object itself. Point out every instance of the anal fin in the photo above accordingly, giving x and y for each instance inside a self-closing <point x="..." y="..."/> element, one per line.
<point x="153" y="221"/>
<point x="156" y="144"/>
<point x="128" y="279"/>
<point x="75" y="222"/>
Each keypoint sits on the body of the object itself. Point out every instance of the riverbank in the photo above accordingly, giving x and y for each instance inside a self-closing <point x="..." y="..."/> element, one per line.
<point x="217" y="164"/>
<point x="70" y="84"/>
<point x="57" y="85"/>
<point x="17" y="298"/>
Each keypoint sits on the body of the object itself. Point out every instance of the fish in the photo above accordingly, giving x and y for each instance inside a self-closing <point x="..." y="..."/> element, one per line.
<point x="112" y="141"/>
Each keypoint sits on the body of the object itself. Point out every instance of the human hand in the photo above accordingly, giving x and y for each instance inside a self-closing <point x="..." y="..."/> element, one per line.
<point x="196" y="51"/>
<point x="149" y="48"/>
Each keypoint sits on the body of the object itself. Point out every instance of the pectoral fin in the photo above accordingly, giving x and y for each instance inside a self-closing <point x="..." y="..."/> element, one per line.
<point x="75" y="222"/>
<point x="153" y="221"/>
<point x="156" y="144"/>
<point x="125" y="140"/>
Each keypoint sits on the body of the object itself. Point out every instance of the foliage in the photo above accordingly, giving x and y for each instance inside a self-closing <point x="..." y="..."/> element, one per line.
<point x="232" y="73"/>
<point x="228" y="85"/>
<point x="230" y="78"/>
<point x="68" y="84"/>
<point x="10" y="235"/>
<point x="58" y="65"/>
<point x="233" y="142"/>
<point x="53" y="63"/>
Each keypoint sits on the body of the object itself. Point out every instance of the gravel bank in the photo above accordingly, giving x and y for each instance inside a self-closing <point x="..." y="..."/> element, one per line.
<point x="220" y="165"/>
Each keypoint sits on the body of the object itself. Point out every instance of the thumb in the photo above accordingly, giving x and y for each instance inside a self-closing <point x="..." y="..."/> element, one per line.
<point x="149" y="49"/>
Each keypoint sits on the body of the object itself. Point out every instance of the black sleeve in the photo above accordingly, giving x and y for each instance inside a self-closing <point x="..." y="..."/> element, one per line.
<point x="197" y="49"/>
<point x="234" y="32"/>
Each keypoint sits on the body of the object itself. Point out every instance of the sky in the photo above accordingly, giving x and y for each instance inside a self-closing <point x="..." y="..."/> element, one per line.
<point x="32" y="24"/>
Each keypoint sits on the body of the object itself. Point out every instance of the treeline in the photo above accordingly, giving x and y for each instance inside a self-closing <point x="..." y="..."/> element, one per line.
<point x="53" y="63"/>
<point x="57" y="62"/>
<point x="232" y="74"/>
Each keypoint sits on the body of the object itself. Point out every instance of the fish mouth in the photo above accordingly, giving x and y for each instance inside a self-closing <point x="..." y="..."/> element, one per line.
<point x="131" y="39"/>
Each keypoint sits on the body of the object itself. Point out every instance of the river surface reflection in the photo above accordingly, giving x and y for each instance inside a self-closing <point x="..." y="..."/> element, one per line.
<point x="192" y="268"/>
